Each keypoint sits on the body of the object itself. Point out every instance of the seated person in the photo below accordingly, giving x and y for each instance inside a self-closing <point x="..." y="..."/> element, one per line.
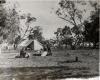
<point x="22" y="53"/>
<point x="45" y="51"/>
<point x="49" y="50"/>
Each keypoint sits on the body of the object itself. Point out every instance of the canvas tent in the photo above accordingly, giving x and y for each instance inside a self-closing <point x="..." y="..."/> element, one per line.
<point x="37" y="45"/>
<point x="32" y="44"/>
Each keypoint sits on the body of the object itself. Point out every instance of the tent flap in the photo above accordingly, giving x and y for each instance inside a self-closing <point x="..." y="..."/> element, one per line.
<point x="37" y="45"/>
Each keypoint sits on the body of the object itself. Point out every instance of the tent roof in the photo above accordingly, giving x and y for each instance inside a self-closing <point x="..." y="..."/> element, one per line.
<point x="25" y="43"/>
<point x="37" y="45"/>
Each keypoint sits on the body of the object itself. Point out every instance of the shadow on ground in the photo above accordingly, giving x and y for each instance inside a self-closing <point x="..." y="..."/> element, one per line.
<point x="52" y="73"/>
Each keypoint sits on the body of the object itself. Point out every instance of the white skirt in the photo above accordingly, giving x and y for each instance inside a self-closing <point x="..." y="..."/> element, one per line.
<point x="44" y="53"/>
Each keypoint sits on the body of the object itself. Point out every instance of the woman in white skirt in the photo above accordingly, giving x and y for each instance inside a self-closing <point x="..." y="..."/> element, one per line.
<point x="45" y="52"/>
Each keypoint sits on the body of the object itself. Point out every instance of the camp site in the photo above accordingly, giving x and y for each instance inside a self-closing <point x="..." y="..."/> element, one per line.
<point x="49" y="40"/>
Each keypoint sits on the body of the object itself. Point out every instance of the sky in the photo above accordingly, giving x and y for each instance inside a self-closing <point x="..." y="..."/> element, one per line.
<point x="44" y="11"/>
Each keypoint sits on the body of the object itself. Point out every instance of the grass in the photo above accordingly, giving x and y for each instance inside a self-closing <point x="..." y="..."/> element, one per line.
<point x="87" y="66"/>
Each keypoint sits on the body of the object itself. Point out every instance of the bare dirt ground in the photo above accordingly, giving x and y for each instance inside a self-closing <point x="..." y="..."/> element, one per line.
<point x="60" y="65"/>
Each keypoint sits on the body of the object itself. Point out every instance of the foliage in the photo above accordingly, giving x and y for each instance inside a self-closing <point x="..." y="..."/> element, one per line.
<point x="92" y="28"/>
<point x="29" y="19"/>
<point x="10" y="27"/>
<point x="9" y="24"/>
<point x="12" y="24"/>
<point x="2" y="21"/>
<point x="58" y="34"/>
<point x="64" y="36"/>
<point x="78" y="14"/>
<point x="36" y="33"/>
<point x="71" y="12"/>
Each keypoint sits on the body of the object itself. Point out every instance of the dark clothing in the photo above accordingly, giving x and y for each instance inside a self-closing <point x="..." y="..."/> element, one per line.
<point x="44" y="49"/>
<point x="22" y="54"/>
<point x="48" y="48"/>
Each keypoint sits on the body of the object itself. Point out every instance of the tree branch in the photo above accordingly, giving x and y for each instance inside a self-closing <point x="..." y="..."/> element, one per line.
<point x="73" y="17"/>
<point x="67" y="20"/>
<point x="26" y="31"/>
<point x="74" y="21"/>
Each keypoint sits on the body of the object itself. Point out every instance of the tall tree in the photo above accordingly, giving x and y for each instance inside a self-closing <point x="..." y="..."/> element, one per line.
<point x="9" y="23"/>
<point x="92" y="28"/>
<point x="71" y="12"/>
<point x="2" y="19"/>
<point x="12" y="24"/>
<point x="75" y="13"/>
<point x="29" y="20"/>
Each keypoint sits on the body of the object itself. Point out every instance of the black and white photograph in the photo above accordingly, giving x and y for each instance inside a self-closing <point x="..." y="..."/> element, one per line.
<point x="49" y="39"/>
